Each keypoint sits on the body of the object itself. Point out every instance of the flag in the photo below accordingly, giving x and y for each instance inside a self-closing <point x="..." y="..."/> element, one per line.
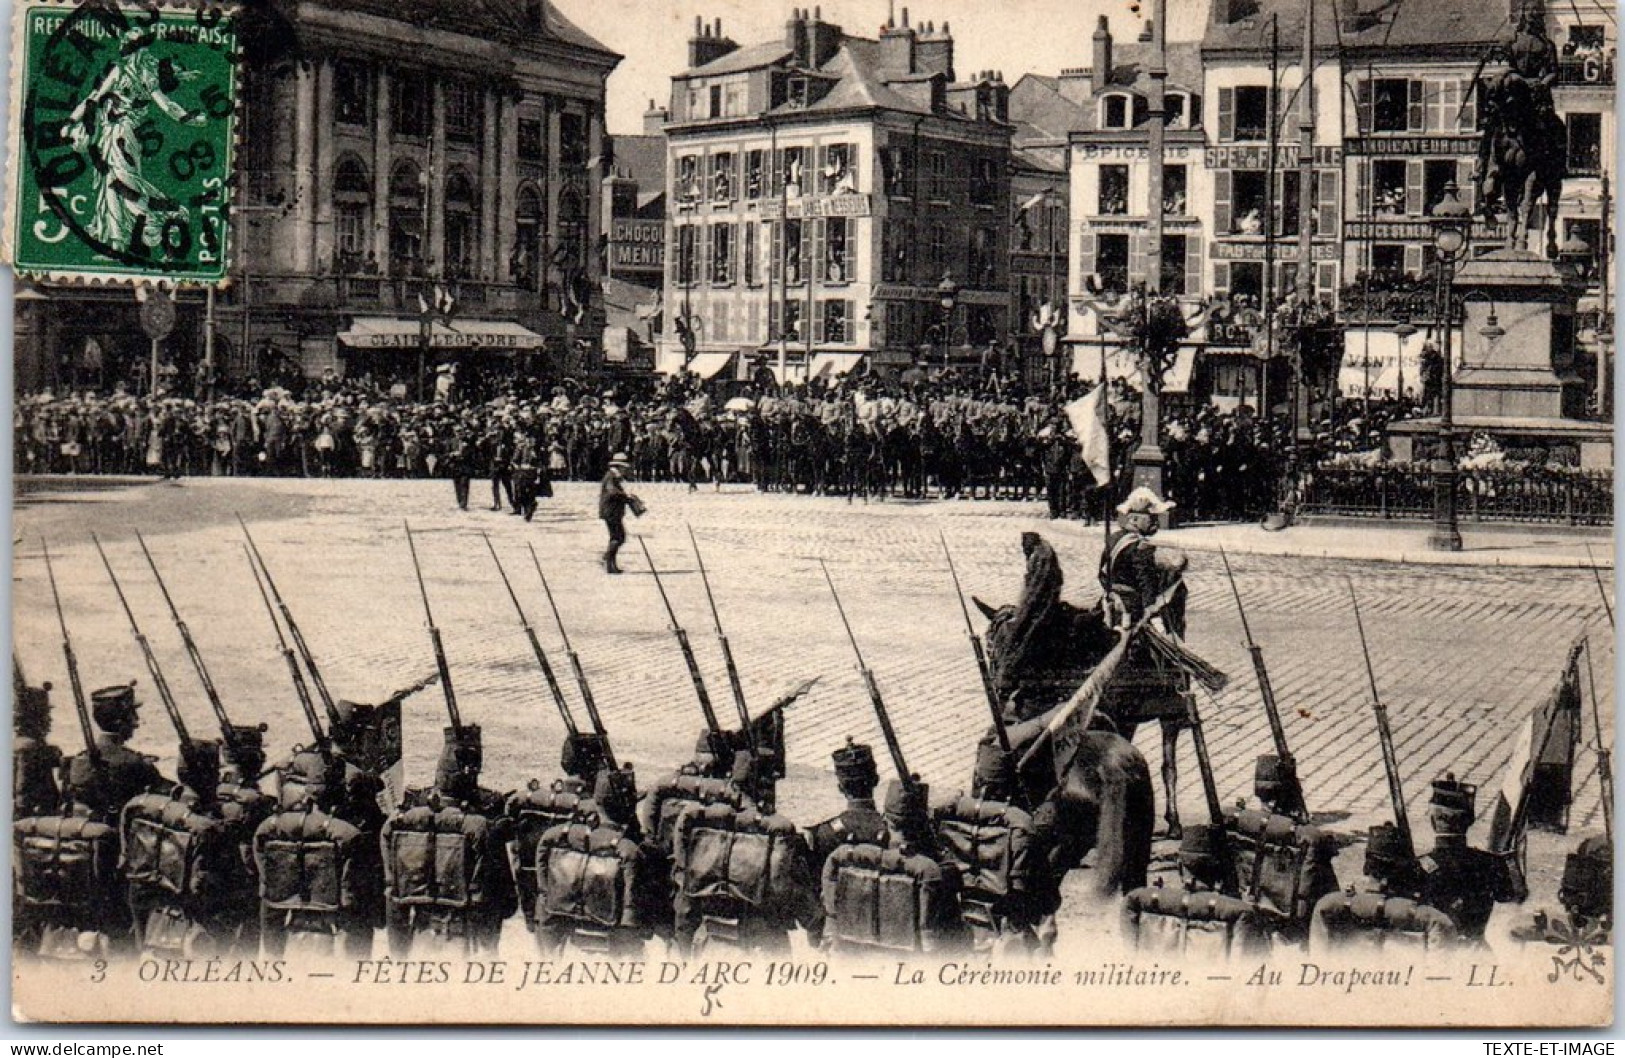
<point x="1036" y="200"/>
<point x="423" y="304"/>
<point x="1088" y="418"/>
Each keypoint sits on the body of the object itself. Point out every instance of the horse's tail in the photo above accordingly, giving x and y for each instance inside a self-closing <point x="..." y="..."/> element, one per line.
<point x="1125" y="810"/>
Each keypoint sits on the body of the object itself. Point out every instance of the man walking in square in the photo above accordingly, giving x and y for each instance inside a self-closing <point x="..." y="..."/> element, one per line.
<point x="613" y="501"/>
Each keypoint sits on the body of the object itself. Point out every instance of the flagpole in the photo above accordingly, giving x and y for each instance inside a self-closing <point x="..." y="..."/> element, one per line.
<point x="1105" y="490"/>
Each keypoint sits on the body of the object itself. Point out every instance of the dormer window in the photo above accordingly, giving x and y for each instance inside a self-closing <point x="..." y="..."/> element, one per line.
<point x="1115" y="112"/>
<point x="1182" y="110"/>
<point x="799" y="89"/>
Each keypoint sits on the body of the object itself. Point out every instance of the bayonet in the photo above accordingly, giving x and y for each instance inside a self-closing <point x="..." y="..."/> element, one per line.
<point x="893" y="746"/>
<point x="587" y="699"/>
<point x="153" y="668"/>
<point x="300" y="689"/>
<point x="333" y="718"/>
<point x="535" y="644"/>
<point x="80" y="707"/>
<point x="1292" y="800"/>
<point x="748" y="732"/>
<point x="434" y="638"/>
<point x="982" y="665"/>
<point x="1385" y="735"/>
<point x="687" y="648"/>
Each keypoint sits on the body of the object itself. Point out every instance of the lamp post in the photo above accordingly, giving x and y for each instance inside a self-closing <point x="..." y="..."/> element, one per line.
<point x="1452" y="225"/>
<point x="948" y="298"/>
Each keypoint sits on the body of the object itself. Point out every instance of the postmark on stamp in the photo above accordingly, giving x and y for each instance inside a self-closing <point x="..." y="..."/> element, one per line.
<point x="123" y="140"/>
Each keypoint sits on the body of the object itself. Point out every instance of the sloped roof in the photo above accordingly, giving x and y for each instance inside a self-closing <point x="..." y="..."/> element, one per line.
<point x="752" y="58"/>
<point x="1040" y="112"/>
<point x="499" y="19"/>
<point x="1464" y="24"/>
<point x="643" y="158"/>
<point x="1184" y="65"/>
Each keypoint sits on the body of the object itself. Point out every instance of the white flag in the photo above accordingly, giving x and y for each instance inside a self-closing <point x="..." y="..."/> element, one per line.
<point x="1088" y="418"/>
<point x="1032" y="203"/>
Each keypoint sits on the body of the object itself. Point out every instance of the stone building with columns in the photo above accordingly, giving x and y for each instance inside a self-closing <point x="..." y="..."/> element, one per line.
<point x="389" y="151"/>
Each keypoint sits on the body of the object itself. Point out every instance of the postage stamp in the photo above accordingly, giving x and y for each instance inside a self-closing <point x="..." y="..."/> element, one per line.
<point x="121" y="164"/>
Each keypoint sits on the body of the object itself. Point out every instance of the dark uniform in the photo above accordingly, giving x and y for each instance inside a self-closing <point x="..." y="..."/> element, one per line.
<point x="613" y="500"/>
<point x="1459" y="880"/>
<point x="123" y="773"/>
<point x="1196" y="917"/>
<point x="860" y="822"/>
<point x="34" y="761"/>
<point x="459" y="466"/>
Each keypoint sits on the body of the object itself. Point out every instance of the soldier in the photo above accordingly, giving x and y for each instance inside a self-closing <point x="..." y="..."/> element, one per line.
<point x="494" y="447"/>
<point x="1283" y="867"/>
<point x="613" y="500"/>
<point x="1382" y="907"/>
<point x="458" y="462"/>
<point x="1463" y="882"/>
<point x="190" y="892"/>
<point x="861" y="822"/>
<point x="34" y="761"/>
<point x="122" y="773"/>
<point x="533" y="811"/>
<point x="706" y="778"/>
<point x="1586" y="895"/>
<point x="446" y="856"/>
<point x="1197" y="916"/>
<point x="525" y="476"/>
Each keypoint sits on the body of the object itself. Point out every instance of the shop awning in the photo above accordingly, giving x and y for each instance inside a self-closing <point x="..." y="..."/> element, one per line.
<point x="1178" y="378"/>
<point x="704" y="365"/>
<point x="833" y="365"/>
<point x="388" y="332"/>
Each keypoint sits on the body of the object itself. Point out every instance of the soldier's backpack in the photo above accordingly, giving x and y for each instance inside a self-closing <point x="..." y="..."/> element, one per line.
<point x="305" y="861"/>
<point x="1375" y="921"/>
<point x="882" y="900"/>
<point x="1175" y="921"/>
<point x="34" y="768"/>
<point x="588" y="873"/>
<point x="434" y="859"/>
<point x="992" y="844"/>
<point x="671" y="798"/>
<point x="534" y="812"/>
<point x="171" y="851"/>
<point x="731" y="864"/>
<point x="66" y="866"/>
<point x="1283" y="868"/>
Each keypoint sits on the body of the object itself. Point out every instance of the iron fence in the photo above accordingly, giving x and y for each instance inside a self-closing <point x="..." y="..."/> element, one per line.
<point x="1561" y="496"/>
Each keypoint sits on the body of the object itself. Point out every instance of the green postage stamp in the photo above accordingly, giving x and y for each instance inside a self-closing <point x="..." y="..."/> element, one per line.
<point x="121" y="165"/>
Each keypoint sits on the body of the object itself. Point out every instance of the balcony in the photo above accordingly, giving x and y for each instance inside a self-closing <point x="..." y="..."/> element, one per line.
<point x="1387" y="299"/>
<point x="1595" y="70"/>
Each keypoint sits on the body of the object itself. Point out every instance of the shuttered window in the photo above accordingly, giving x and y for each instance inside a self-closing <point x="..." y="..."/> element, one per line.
<point x="1227" y="114"/>
<point x="1222" y="221"/>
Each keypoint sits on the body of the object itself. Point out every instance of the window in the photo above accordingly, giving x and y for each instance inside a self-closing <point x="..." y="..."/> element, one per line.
<point x="1249" y="191"/>
<point x="411" y="108"/>
<point x="352" y="214"/>
<point x="1115" y="112"/>
<point x="794" y="232"/>
<point x="835" y="172"/>
<point x="1173" y="265"/>
<point x="1585" y="144"/>
<point x="715" y="96"/>
<point x="1247" y="280"/>
<point x="898" y="331"/>
<point x="1387" y="260"/>
<point x="1113" y="190"/>
<point x="532" y="142"/>
<point x="897" y="167"/>
<point x="734" y="99"/>
<point x="1252" y="112"/>
<point x="792" y="320"/>
<point x="982" y="262"/>
<point x="465" y="117"/>
<point x="1173" y="111"/>
<point x="748" y="270"/>
<point x="573" y="144"/>
<point x="530" y="226"/>
<point x="1175" y="197"/>
<point x="722" y="254"/>
<point x="795" y="175"/>
<point x="984" y="183"/>
<point x="1290" y="208"/>
<point x="838" y="321"/>
<point x="938" y="175"/>
<point x="1388" y="185"/>
<point x="839" y="235"/>
<point x="1436" y="176"/>
<point x="462" y="226"/>
<point x="755" y="174"/>
<point x="723" y="177"/>
<point x="352" y="93"/>
<point x="406" y="218"/>
<point x="938" y="261"/>
<point x="1111" y="262"/>
<point x="897" y="239"/>
<point x="1391" y="104"/>
<point x="688" y="179"/>
<point x="687" y="254"/>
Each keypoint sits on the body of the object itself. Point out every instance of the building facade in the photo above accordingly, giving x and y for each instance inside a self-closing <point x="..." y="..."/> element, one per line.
<point x="821" y="189"/>
<point x="391" y="154"/>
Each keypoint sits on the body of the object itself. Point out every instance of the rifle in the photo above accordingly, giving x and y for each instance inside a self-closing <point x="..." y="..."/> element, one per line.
<point x="1596" y="575"/>
<point x="711" y="723"/>
<point x="1292" y="800"/>
<point x="80" y="707"/>
<point x="587" y="700"/>
<point x="147" y="654"/>
<point x="1385" y="735"/>
<point x="977" y="649"/>
<point x="300" y="689"/>
<point x="434" y="637"/>
<point x="535" y="644"/>
<point x="228" y="733"/>
<point x="892" y="745"/>
<point x="333" y="718"/>
<point x="745" y="728"/>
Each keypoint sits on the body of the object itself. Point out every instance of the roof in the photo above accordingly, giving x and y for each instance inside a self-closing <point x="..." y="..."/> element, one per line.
<point x="1380" y="24"/>
<point x="497" y="19"/>
<point x="1041" y="113"/>
<point x="752" y="58"/>
<point x="643" y="158"/>
<point x="1184" y="65"/>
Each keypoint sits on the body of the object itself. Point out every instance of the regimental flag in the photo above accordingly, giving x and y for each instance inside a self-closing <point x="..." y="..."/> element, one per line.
<point x="1088" y="418"/>
<point x="1538" y="786"/>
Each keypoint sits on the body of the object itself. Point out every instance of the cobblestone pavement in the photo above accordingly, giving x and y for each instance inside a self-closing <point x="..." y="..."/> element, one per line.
<point x="1461" y="653"/>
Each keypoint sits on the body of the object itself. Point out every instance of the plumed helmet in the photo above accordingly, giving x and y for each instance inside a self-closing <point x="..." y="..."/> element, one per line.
<point x="114" y="707"/>
<point x="1587" y="889"/>
<point x="1452" y="804"/>
<point x="584" y="755"/>
<point x="1143" y="501"/>
<point x="855" y="765"/>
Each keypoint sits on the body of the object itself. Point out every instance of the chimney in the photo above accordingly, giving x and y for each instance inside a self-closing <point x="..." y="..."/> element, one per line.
<point x="654" y="120"/>
<point x="1237" y="10"/>
<point x="1146" y="34"/>
<point x="897" y="49"/>
<point x="795" y="37"/>
<point x="708" y="44"/>
<point x="1102" y="55"/>
<point x="823" y="39"/>
<point x="934" y="51"/>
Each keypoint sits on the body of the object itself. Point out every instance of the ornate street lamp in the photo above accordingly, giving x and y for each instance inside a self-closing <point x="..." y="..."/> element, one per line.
<point x="1452" y="226"/>
<point x="948" y="298"/>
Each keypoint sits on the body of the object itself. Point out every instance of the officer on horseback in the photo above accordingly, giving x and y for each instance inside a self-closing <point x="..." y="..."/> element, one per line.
<point x="1523" y="134"/>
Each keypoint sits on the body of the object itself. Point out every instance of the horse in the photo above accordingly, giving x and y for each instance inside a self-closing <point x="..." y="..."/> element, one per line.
<point x="1527" y="162"/>
<point x="1103" y="801"/>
